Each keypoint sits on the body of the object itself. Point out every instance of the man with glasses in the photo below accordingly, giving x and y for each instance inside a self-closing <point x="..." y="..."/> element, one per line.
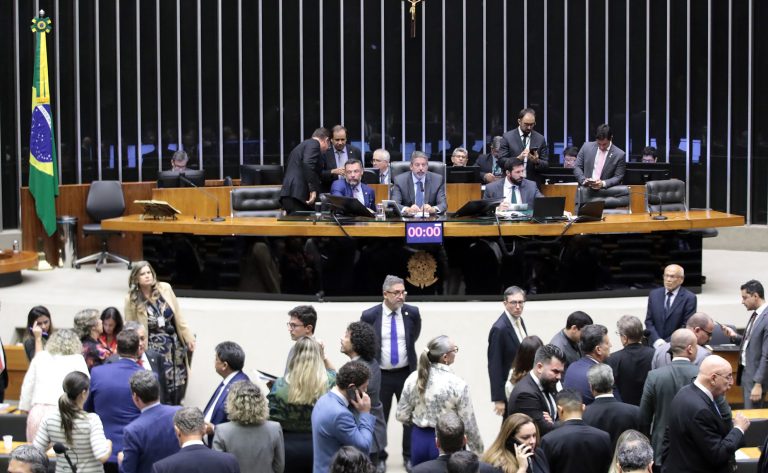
<point x="460" y="157"/>
<point x="702" y="327"/>
<point x="301" y="323"/>
<point x="381" y="165"/>
<point x="503" y="340"/>
<point x="527" y="145"/>
<point x="397" y="326"/>
<point x="669" y="307"/>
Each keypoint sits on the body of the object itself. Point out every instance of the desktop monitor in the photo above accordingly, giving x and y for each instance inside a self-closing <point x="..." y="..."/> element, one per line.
<point x="557" y="175"/>
<point x="463" y="174"/>
<point x="261" y="174"/>
<point x="188" y="178"/>
<point x="640" y="173"/>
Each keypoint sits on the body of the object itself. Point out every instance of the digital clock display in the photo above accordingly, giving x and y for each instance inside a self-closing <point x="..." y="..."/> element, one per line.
<point x="423" y="232"/>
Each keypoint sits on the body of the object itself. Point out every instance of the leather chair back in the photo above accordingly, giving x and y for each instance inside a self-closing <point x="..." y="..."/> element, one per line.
<point x="105" y="200"/>
<point x="616" y="197"/>
<point x="256" y="201"/>
<point x="399" y="167"/>
<point x="669" y="195"/>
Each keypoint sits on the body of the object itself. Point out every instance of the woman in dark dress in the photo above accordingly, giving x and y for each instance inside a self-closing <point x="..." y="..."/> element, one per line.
<point x="39" y="327"/>
<point x="88" y="326"/>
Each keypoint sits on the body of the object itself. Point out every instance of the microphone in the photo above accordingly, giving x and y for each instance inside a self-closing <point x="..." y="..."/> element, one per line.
<point x="218" y="217"/>
<point x="59" y="448"/>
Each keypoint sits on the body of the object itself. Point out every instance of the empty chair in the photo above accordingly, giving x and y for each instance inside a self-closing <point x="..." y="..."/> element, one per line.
<point x="105" y="200"/>
<point x="616" y="198"/>
<point x="667" y="196"/>
<point x="256" y="202"/>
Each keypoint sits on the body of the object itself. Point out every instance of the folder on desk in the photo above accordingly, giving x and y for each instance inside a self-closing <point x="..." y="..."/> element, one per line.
<point x="157" y="209"/>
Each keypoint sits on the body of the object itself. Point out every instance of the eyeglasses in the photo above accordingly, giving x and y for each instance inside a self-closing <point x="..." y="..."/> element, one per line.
<point x="709" y="334"/>
<point x="520" y="303"/>
<point x="397" y="293"/>
<point x="728" y="376"/>
<point x="455" y="350"/>
<point x="292" y="325"/>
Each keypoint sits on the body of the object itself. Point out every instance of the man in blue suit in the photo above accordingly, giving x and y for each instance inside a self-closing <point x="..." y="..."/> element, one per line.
<point x="419" y="190"/>
<point x="110" y="395"/>
<point x="669" y="307"/>
<point x="397" y="326"/>
<point x="596" y="347"/>
<point x="351" y="185"/>
<point x="514" y="189"/>
<point x="230" y="359"/>
<point x="334" y="425"/>
<point x="150" y="437"/>
<point x="194" y="456"/>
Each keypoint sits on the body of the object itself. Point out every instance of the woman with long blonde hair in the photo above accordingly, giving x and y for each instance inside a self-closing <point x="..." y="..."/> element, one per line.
<point x="515" y="449"/>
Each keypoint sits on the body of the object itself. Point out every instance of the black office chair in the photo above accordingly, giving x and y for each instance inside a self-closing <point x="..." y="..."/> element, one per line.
<point x="105" y="200"/>
<point x="256" y="202"/>
<point x="669" y="196"/>
<point x="616" y="198"/>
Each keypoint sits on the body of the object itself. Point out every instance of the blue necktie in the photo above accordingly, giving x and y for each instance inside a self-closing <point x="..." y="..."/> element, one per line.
<point x="394" y="356"/>
<point x="669" y="302"/>
<point x="419" y="193"/>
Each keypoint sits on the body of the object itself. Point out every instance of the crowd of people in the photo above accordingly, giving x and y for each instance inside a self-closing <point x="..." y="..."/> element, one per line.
<point x="107" y="395"/>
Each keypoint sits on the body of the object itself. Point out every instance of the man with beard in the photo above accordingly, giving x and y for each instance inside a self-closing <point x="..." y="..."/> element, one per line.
<point x="419" y="190"/>
<point x="351" y="186"/>
<point x="515" y="189"/>
<point x="534" y="395"/>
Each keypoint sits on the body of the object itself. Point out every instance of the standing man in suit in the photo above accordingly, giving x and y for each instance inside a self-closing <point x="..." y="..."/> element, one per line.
<point x="396" y="326"/>
<point x="503" y="340"/>
<point x="449" y="439"/>
<point x="753" y="352"/>
<point x="669" y="307"/>
<point x="702" y="326"/>
<point x="229" y="362"/>
<point x="698" y="439"/>
<point x="534" y="395"/>
<point x="608" y="413"/>
<point x="150" y="437"/>
<point x="301" y="182"/>
<point x="381" y="165"/>
<point x="334" y="425"/>
<point x="631" y="364"/>
<point x="3" y="371"/>
<point x="352" y="186"/>
<point x="600" y="164"/>
<point x="150" y="360"/>
<point x="491" y="166"/>
<point x="568" y="338"/>
<point x="527" y="145"/>
<point x="194" y="456"/>
<point x="576" y="447"/>
<point x="335" y="157"/>
<point x="419" y="190"/>
<point x="596" y="346"/>
<point x="110" y="396"/>
<point x="514" y="189"/>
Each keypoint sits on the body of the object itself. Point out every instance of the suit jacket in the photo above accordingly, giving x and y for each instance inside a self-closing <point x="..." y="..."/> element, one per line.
<point x="698" y="439"/>
<point x="377" y="409"/>
<point x="527" y="398"/>
<point x="155" y="364"/>
<point x="576" y="447"/>
<point x="148" y="439"/>
<point x="411" y="321"/>
<point x="660" y="324"/>
<point x="528" y="191"/>
<point x="485" y="163"/>
<point x="4" y="374"/>
<point x="302" y="173"/>
<point x="757" y="351"/>
<point x="502" y="348"/>
<point x="434" y="190"/>
<point x="630" y="368"/>
<point x="110" y="398"/>
<point x="440" y="465"/>
<point x="512" y="146"/>
<point x="389" y="175"/>
<point x="334" y="426"/>
<point x="661" y="356"/>
<point x="342" y="188"/>
<point x="576" y="378"/>
<point x="613" y="169"/>
<point x="198" y="459"/>
<point x="613" y="416"/>
<point x="329" y="164"/>
<point x="570" y="349"/>
<point x="219" y="415"/>
<point x="258" y="448"/>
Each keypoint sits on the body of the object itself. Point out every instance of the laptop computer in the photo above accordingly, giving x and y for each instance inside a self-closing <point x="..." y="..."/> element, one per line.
<point x="477" y="208"/>
<point x="548" y="209"/>
<point x="348" y="206"/>
<point x="590" y="211"/>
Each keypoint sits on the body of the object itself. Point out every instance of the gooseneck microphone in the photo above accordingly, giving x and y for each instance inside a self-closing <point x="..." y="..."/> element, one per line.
<point x="218" y="217"/>
<point x="59" y="448"/>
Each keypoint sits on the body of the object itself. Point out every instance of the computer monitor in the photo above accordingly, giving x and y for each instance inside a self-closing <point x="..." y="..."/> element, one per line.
<point x="261" y="174"/>
<point x="348" y="206"/>
<point x="463" y="174"/>
<point x="477" y="208"/>
<point x="188" y="178"/>
<point x="557" y="174"/>
<point x="640" y="173"/>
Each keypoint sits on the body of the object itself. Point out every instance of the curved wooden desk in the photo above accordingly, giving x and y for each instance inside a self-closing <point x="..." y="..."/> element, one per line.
<point x="10" y="268"/>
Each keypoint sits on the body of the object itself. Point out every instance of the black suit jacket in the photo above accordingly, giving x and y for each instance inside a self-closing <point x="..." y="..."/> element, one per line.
<point x="575" y="447"/>
<point x="440" y="465"/>
<point x="613" y="416"/>
<point x="697" y="438"/>
<point x="512" y="146"/>
<point x="302" y="172"/>
<point x="630" y="369"/>
<point x="198" y="459"/>
<point x="527" y="398"/>
<point x="411" y="321"/>
<point x="502" y="348"/>
<point x="485" y="163"/>
<point x="329" y="164"/>
<point x="3" y="375"/>
<point x="661" y="325"/>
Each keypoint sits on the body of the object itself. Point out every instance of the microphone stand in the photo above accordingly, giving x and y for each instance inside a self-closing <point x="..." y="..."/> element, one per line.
<point x="59" y="447"/>
<point x="660" y="216"/>
<point x="218" y="217"/>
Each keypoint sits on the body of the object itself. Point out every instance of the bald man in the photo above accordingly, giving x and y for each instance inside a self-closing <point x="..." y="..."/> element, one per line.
<point x="702" y="326"/>
<point x="698" y="438"/>
<point x="669" y="307"/>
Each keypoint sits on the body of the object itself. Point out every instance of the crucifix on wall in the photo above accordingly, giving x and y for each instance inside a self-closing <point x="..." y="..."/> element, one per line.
<point x="412" y="11"/>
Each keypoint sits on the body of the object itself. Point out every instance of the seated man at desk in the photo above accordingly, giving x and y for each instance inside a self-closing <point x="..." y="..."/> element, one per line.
<point x="515" y="189"/>
<point x="419" y="190"/>
<point x="351" y="186"/>
<point x="460" y="157"/>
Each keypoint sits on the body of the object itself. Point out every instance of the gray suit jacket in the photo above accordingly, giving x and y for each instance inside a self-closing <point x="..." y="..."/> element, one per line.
<point x="258" y="448"/>
<point x="528" y="191"/>
<point x="757" y="351"/>
<point x="434" y="190"/>
<point x="613" y="169"/>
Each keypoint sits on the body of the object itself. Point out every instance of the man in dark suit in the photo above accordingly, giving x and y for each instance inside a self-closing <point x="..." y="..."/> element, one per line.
<point x="449" y="439"/>
<point x="534" y="394"/>
<point x="527" y="145"/>
<point x="576" y="447"/>
<point x="194" y="456"/>
<point x="335" y="156"/>
<point x="568" y="338"/>
<point x="514" y="189"/>
<point x="491" y="166"/>
<point x="351" y="185"/>
<point x="419" y="190"/>
<point x="301" y="182"/>
<point x="230" y="359"/>
<point x="380" y="160"/>
<point x="669" y="307"/>
<point x="698" y="439"/>
<point x="3" y="372"/>
<point x="608" y="413"/>
<point x="596" y="346"/>
<point x="150" y="360"/>
<point x="503" y="340"/>
<point x="753" y="350"/>
<point x="631" y="364"/>
<point x="150" y="437"/>
<point x="600" y="164"/>
<point x="110" y="396"/>
<point x="396" y="326"/>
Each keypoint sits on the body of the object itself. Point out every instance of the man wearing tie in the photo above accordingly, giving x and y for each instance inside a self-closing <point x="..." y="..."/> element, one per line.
<point x="491" y="166"/>
<point x="419" y="190"/>
<point x="753" y="351"/>
<point x="336" y="156"/>
<point x="669" y="307"/>
<point x="397" y="326"/>
<point x="600" y="164"/>
<point x="229" y="362"/>
<point x="527" y="145"/>
<point x="352" y="186"/>
<point x="503" y="340"/>
<point x="381" y="165"/>
<point x="514" y="189"/>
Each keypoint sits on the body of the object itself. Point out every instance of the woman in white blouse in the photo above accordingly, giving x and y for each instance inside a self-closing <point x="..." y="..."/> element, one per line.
<point x="430" y="391"/>
<point x="41" y="388"/>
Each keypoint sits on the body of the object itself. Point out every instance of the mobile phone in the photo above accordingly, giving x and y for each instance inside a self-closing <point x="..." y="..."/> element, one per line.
<point x="533" y="150"/>
<point x="352" y="392"/>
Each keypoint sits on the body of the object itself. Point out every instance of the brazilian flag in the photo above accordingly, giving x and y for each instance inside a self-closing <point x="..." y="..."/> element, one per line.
<point x="43" y="168"/>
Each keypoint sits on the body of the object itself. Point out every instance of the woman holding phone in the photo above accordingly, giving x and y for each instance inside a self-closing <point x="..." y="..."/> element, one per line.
<point x="39" y="328"/>
<point x="515" y="450"/>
